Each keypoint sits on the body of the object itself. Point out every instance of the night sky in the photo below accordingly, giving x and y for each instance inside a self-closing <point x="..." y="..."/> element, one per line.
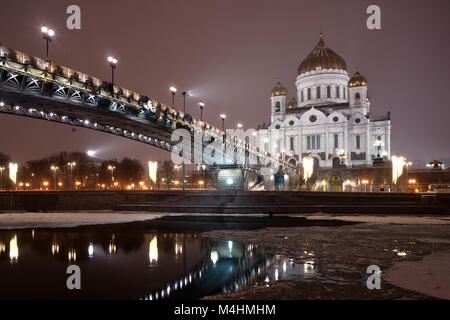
<point x="228" y="53"/>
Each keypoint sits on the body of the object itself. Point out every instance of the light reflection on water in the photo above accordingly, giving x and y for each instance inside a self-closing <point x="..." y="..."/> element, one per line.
<point x="134" y="265"/>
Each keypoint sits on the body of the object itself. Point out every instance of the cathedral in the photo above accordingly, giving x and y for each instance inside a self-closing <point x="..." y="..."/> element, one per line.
<point x="329" y="119"/>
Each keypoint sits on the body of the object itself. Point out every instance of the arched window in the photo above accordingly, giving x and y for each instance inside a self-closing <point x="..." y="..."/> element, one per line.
<point x="328" y="92"/>
<point x="357" y="97"/>
<point x="338" y="92"/>
<point x="358" y="142"/>
<point x="302" y="96"/>
<point x="309" y="93"/>
<point x="318" y="92"/>
<point x="277" y="106"/>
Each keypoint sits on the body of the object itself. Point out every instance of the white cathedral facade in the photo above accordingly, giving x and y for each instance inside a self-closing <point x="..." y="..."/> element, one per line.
<point x="329" y="119"/>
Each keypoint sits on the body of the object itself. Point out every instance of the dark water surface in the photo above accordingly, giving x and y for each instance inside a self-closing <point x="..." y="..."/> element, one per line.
<point x="133" y="265"/>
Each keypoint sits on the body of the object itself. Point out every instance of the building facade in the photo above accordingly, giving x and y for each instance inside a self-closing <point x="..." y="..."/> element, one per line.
<point x="328" y="119"/>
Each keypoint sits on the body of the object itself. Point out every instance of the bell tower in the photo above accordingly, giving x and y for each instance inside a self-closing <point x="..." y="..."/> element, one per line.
<point x="278" y="101"/>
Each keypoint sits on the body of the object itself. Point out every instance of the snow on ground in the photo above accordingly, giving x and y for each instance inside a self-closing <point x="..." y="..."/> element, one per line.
<point x="385" y="219"/>
<point x="23" y="220"/>
<point x="429" y="276"/>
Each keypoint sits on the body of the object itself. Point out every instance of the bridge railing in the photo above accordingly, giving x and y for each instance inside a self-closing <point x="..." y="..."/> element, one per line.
<point x="47" y="71"/>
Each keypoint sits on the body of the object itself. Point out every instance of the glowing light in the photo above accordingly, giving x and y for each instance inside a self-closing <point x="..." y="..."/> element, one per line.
<point x="173" y="89"/>
<point x="91" y="250"/>
<point x="223" y="116"/>
<point x="152" y="170"/>
<point x="91" y="153"/>
<point x="13" y="249"/>
<point x="398" y="164"/>
<point x="214" y="256"/>
<point x="72" y="255"/>
<point x="13" y="167"/>
<point x="308" y="168"/>
<point x="153" y="250"/>
<point x="55" y="248"/>
<point x="230" y="181"/>
<point x="112" y="60"/>
<point x="412" y="181"/>
<point x="178" y="249"/>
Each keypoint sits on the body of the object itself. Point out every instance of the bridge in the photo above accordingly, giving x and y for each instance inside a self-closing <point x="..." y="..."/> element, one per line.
<point x="40" y="89"/>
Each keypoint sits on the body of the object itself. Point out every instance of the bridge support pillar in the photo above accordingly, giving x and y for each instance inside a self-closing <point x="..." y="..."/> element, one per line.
<point x="230" y="177"/>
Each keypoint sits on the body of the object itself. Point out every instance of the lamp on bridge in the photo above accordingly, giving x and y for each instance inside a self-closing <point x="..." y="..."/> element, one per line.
<point x="48" y="35"/>
<point x="112" y="63"/>
<point x="201" y="105"/>
<point x="223" y="117"/>
<point x="239" y="125"/>
<point x="173" y="90"/>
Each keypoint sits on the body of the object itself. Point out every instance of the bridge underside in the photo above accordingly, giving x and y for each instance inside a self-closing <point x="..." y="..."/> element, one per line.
<point x="83" y="116"/>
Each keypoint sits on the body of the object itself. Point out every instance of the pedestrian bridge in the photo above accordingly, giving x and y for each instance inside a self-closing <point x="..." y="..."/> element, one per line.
<point x="40" y="89"/>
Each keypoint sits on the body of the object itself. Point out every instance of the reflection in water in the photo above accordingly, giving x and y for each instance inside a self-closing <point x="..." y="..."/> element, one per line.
<point x="72" y="255"/>
<point x="13" y="249"/>
<point x="153" y="250"/>
<point x="91" y="250"/>
<point x="55" y="248"/>
<point x="183" y="265"/>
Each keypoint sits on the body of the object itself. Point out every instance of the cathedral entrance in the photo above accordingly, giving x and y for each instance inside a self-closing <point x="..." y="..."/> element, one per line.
<point x="336" y="183"/>
<point x="279" y="182"/>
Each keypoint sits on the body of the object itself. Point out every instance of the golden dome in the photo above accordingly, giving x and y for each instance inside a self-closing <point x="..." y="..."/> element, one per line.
<point x="293" y="103"/>
<point x="278" y="90"/>
<point x="357" y="80"/>
<point x="320" y="58"/>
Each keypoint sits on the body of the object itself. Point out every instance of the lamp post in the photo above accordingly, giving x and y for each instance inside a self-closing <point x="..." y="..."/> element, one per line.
<point x="184" y="111"/>
<point x="173" y="90"/>
<point x="47" y="35"/>
<point x="1" y="177"/>
<point x="112" y="168"/>
<point x="112" y="63"/>
<point x="71" y="165"/>
<point x="54" y="169"/>
<point x="201" y="105"/>
<point x="223" y="117"/>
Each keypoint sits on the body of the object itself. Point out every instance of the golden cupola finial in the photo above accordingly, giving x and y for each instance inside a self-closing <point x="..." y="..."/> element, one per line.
<point x="278" y="89"/>
<point x="357" y="80"/>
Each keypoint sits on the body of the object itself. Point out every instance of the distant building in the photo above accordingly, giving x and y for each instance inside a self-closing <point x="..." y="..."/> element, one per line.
<point x="328" y="119"/>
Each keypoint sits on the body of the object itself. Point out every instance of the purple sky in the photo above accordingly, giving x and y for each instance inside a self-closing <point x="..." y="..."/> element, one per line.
<point x="228" y="53"/>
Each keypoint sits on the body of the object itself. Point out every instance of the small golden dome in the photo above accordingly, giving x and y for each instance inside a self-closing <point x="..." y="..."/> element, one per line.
<point x="320" y="58"/>
<point x="293" y="103"/>
<point x="278" y="89"/>
<point x="357" y="80"/>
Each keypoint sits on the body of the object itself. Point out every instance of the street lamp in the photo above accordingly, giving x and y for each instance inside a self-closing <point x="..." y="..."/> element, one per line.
<point x="223" y="117"/>
<point x="173" y="90"/>
<point x="54" y="169"/>
<point x="112" y="63"/>
<point x="201" y="105"/>
<point x="47" y="35"/>
<point x="91" y="153"/>
<point x="71" y="165"/>
<point x="239" y="125"/>
<point x="112" y="168"/>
